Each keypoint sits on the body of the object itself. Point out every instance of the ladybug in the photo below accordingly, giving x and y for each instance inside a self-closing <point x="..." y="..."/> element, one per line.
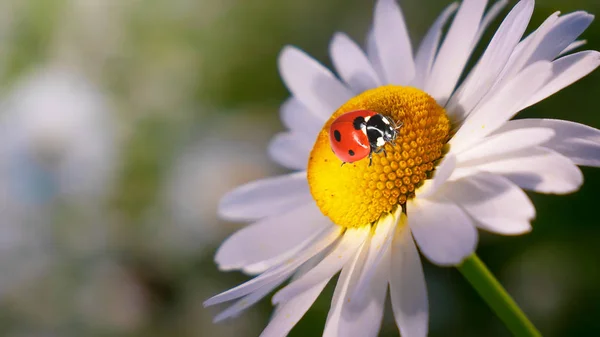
<point x="358" y="134"/>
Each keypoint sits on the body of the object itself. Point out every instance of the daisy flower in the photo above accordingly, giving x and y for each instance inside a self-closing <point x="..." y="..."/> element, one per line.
<point x="57" y="140"/>
<point x="57" y="148"/>
<point x="458" y="164"/>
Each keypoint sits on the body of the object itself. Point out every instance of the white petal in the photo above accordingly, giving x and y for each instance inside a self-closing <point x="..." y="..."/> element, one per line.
<point x="494" y="202"/>
<point x="565" y="71"/>
<point x="537" y="169"/>
<point x="566" y="30"/>
<point x="291" y="150"/>
<point x="545" y="42"/>
<point x="277" y="275"/>
<point x="505" y="142"/>
<point x="573" y="46"/>
<point x="346" y="248"/>
<point x="444" y="233"/>
<point x="553" y="37"/>
<point x="524" y="50"/>
<point x="327" y="237"/>
<point x="502" y="226"/>
<point x="352" y="64"/>
<point x="344" y="283"/>
<point x="261" y="267"/>
<point x="373" y="54"/>
<point x="407" y="286"/>
<point x="455" y="50"/>
<point x="309" y="265"/>
<point x="265" y="197"/>
<point x="271" y="237"/>
<point x="495" y="57"/>
<point x="311" y="83"/>
<point x="264" y="265"/>
<point x="361" y="317"/>
<point x="287" y="314"/>
<point x="393" y="43"/>
<point x="442" y="173"/>
<point x="489" y="16"/>
<point x="503" y="105"/>
<point x="247" y="301"/>
<point x="379" y="246"/>
<point x="429" y="46"/>
<point x="578" y="142"/>
<point x="298" y="118"/>
<point x="290" y="312"/>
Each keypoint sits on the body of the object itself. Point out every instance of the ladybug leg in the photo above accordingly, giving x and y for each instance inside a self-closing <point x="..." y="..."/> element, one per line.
<point x="379" y="150"/>
<point x="343" y="163"/>
<point x="370" y="158"/>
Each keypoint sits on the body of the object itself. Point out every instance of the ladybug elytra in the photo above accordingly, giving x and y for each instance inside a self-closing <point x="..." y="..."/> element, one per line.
<point x="358" y="134"/>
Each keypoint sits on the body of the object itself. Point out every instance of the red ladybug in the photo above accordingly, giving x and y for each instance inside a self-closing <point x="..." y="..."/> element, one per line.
<point x="358" y="134"/>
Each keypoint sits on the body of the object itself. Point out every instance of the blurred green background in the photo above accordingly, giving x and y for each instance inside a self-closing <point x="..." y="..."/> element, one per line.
<point x="184" y="97"/>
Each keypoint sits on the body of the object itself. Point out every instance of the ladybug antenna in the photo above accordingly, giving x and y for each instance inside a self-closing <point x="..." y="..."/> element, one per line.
<point x="398" y="125"/>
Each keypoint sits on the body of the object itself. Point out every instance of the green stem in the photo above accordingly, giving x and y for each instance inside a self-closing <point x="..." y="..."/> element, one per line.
<point x="496" y="297"/>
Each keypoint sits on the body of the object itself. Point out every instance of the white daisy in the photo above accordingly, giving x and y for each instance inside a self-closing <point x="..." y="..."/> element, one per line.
<point x="362" y="219"/>
<point x="56" y="145"/>
<point x="57" y="139"/>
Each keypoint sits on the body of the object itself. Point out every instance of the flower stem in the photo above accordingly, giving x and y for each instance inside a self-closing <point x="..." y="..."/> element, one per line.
<point x="496" y="297"/>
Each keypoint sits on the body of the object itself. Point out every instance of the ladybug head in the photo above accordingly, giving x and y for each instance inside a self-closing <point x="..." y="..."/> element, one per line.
<point x="390" y="129"/>
<point x="380" y="130"/>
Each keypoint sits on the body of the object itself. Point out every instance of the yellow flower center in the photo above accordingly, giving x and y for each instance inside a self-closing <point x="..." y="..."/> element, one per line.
<point x="357" y="194"/>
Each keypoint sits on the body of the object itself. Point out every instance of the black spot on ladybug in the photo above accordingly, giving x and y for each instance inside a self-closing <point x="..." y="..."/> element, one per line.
<point x="350" y="152"/>
<point x="358" y="122"/>
<point x="337" y="135"/>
